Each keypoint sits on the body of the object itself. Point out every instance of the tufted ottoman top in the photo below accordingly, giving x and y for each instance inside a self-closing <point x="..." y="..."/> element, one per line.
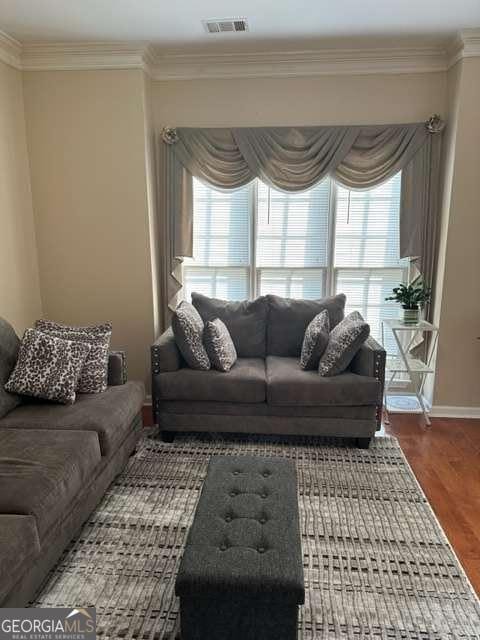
<point x="245" y="539"/>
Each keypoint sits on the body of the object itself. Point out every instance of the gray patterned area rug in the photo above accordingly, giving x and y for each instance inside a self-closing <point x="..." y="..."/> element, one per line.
<point x="377" y="564"/>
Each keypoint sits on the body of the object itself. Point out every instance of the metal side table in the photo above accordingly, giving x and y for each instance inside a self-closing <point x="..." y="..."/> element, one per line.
<point x="415" y="368"/>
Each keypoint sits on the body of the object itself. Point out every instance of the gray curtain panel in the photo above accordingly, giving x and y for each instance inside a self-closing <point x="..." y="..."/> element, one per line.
<point x="294" y="159"/>
<point x="420" y="193"/>
<point x="175" y="187"/>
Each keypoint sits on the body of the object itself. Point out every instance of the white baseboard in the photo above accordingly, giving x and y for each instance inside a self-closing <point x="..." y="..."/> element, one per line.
<point x="443" y="411"/>
<point x="148" y="401"/>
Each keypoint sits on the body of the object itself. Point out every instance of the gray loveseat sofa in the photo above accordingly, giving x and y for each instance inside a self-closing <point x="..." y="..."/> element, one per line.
<point x="56" y="462"/>
<point x="266" y="391"/>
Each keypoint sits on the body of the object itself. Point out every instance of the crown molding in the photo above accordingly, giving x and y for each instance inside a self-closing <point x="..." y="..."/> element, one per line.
<point x="466" y="44"/>
<point x="10" y="51"/>
<point x="297" y="63"/>
<point x="162" y="65"/>
<point x="69" y="56"/>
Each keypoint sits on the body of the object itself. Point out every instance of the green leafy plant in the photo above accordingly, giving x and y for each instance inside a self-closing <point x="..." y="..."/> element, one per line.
<point x="413" y="295"/>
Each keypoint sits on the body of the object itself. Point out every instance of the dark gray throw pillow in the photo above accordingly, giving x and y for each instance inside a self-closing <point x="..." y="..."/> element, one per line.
<point x="9" y="346"/>
<point x="219" y="345"/>
<point x="315" y="341"/>
<point x="246" y="321"/>
<point x="48" y="367"/>
<point x="344" y="342"/>
<point x="94" y="375"/>
<point x="288" y="319"/>
<point x="188" y="327"/>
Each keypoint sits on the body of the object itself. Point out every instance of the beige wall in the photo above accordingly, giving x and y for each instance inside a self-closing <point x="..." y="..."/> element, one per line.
<point x="19" y="285"/>
<point x="458" y="370"/>
<point x="86" y="136"/>
<point x="154" y="223"/>
<point x="374" y="99"/>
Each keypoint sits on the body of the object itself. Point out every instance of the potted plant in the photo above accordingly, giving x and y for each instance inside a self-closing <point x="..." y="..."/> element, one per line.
<point x="411" y="297"/>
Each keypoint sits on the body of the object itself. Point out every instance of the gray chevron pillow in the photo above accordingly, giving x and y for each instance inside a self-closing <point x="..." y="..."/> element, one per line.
<point x="345" y="340"/>
<point x="219" y="345"/>
<point x="187" y="326"/>
<point x="315" y="340"/>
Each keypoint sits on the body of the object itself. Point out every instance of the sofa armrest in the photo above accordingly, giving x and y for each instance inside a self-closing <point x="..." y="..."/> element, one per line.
<point x="117" y="368"/>
<point x="165" y="354"/>
<point x="370" y="361"/>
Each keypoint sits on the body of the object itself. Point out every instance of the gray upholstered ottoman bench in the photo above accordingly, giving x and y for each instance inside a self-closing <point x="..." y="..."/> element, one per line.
<point x="241" y="575"/>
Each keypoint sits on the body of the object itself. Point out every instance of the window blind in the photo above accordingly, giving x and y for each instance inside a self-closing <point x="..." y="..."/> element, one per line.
<point x="221" y="226"/>
<point x="292" y="229"/>
<point x="367" y="263"/>
<point x="366" y="290"/>
<point x="292" y="283"/>
<point x="221" y="243"/>
<point x="367" y="226"/>
<point x="217" y="282"/>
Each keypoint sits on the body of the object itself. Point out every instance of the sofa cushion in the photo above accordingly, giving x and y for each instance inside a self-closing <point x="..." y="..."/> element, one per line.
<point x="289" y="318"/>
<point x="9" y="346"/>
<point x="246" y="320"/>
<point x="41" y="471"/>
<point x="245" y="382"/>
<point x="260" y="409"/>
<point x="289" y="384"/>
<point x="19" y="547"/>
<point x="109" y="414"/>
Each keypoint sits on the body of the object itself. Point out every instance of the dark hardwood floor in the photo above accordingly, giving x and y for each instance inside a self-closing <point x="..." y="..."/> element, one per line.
<point x="445" y="458"/>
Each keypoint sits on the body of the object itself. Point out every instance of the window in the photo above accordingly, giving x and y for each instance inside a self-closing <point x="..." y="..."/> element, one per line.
<point x="366" y="261"/>
<point x="222" y="227"/>
<point x="292" y="241"/>
<point x="326" y="240"/>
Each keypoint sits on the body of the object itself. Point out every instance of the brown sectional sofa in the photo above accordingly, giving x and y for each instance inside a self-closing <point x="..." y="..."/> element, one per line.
<point x="56" y="462"/>
<point x="266" y="391"/>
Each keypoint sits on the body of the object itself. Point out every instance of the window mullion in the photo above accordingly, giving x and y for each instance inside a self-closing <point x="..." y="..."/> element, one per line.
<point x="253" y="239"/>
<point x="332" y="212"/>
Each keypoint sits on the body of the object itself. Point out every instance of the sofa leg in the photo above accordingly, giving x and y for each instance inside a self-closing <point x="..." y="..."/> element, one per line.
<point x="363" y="443"/>
<point x="167" y="436"/>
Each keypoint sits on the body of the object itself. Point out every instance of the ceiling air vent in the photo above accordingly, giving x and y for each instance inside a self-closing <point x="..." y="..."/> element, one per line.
<point x="225" y="25"/>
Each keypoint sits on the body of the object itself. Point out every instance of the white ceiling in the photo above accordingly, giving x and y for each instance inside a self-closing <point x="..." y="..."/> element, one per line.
<point x="177" y="24"/>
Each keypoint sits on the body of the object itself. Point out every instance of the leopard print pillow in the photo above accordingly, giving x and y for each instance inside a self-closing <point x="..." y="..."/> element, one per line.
<point x="315" y="340"/>
<point x="219" y="345"/>
<point x="345" y="340"/>
<point x="94" y="376"/>
<point x="47" y="367"/>
<point x="187" y="326"/>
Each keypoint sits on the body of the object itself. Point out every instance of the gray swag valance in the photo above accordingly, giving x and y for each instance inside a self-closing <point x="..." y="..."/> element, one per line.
<point x="294" y="159"/>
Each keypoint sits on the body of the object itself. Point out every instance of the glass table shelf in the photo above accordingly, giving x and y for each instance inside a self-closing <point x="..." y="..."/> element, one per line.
<point x="398" y="325"/>
<point x="414" y="365"/>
